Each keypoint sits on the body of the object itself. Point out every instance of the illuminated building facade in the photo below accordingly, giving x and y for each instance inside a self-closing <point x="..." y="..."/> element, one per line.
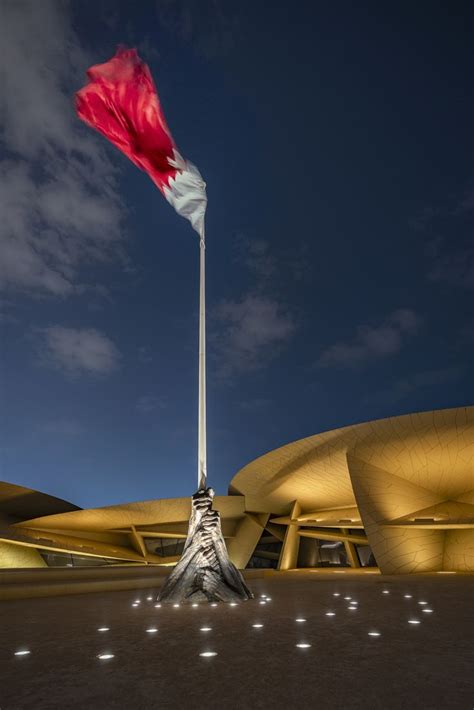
<point x="397" y="494"/>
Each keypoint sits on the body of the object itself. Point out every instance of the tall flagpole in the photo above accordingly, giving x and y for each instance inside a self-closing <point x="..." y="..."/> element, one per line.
<point x="121" y="102"/>
<point x="202" y="448"/>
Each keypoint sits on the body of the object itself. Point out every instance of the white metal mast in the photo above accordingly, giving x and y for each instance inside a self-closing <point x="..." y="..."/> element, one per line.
<point x="202" y="444"/>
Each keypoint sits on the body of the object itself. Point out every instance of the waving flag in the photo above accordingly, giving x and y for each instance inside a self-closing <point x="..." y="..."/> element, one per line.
<point x="121" y="102"/>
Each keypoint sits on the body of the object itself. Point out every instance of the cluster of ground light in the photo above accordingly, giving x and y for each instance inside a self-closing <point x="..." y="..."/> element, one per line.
<point x="416" y="608"/>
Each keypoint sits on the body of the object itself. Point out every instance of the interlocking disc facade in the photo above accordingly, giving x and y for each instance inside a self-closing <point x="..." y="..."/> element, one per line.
<point x="397" y="494"/>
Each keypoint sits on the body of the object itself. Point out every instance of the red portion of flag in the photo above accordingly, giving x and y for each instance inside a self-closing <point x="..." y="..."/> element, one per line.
<point x="121" y="102"/>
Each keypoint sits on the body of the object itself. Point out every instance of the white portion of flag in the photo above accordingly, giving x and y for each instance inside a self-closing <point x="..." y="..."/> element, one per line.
<point x="186" y="192"/>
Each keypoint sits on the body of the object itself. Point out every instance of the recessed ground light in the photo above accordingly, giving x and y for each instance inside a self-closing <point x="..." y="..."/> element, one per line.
<point x="233" y="604"/>
<point x="214" y="604"/>
<point x="153" y="630"/>
<point x="445" y="571"/>
<point x="408" y="596"/>
<point x="208" y="654"/>
<point x="205" y="628"/>
<point x="385" y="591"/>
<point x="330" y="613"/>
<point x="134" y="604"/>
<point x="103" y="628"/>
<point x="105" y="656"/>
<point x="300" y="620"/>
<point x="158" y="606"/>
<point x="373" y="633"/>
<point x="414" y="621"/>
<point x="194" y="605"/>
<point x="176" y="606"/>
<point x="22" y="653"/>
<point x="352" y="608"/>
<point x="149" y="599"/>
<point x="427" y="611"/>
<point x="257" y="626"/>
<point x="269" y="599"/>
<point x="336" y="594"/>
<point x="262" y="602"/>
<point x="422" y="603"/>
<point x="263" y="596"/>
<point x="303" y="645"/>
<point x="137" y="601"/>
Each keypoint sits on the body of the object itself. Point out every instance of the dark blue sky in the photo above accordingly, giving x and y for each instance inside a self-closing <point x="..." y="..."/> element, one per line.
<point x="336" y="142"/>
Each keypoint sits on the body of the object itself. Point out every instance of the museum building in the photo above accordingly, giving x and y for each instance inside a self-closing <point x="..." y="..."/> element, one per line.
<point x="395" y="495"/>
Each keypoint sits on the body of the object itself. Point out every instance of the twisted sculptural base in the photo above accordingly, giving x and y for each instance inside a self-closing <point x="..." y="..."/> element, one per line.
<point x="204" y="572"/>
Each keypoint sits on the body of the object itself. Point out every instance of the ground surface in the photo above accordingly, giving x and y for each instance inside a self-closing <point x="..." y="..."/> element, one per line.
<point x="409" y="666"/>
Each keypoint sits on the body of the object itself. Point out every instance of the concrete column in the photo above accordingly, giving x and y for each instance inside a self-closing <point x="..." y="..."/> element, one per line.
<point x="291" y="543"/>
<point x="241" y="546"/>
<point x="308" y="556"/>
<point x="351" y="551"/>
<point x="138" y="543"/>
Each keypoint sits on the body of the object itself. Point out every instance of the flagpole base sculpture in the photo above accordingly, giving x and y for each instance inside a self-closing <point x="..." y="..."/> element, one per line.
<point x="204" y="573"/>
<point x="121" y="102"/>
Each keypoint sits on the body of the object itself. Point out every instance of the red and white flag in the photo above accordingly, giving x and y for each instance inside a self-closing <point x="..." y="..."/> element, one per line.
<point x="121" y="102"/>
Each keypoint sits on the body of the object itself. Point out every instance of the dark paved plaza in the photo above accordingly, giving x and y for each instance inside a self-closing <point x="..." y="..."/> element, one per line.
<point x="342" y="663"/>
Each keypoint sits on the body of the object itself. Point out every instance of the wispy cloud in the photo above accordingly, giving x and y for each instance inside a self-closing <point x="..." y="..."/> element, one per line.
<point x="61" y="428"/>
<point x="429" y="378"/>
<point x="298" y="262"/>
<point x="78" y="350"/>
<point x="253" y="330"/>
<point x="149" y="403"/>
<point x="210" y="26"/>
<point x="256" y="255"/>
<point x="59" y="205"/>
<point x="144" y="354"/>
<point x="447" y="231"/>
<point x="465" y="203"/>
<point x="5" y="312"/>
<point x="372" y="341"/>
<point x="453" y="266"/>
<point x="403" y="387"/>
<point x="255" y="404"/>
<point x="266" y="264"/>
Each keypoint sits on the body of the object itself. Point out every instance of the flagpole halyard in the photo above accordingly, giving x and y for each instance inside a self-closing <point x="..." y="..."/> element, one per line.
<point x="202" y="443"/>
